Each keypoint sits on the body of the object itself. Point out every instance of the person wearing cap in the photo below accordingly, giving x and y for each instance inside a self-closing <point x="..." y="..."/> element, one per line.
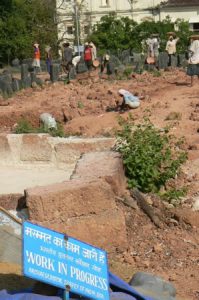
<point x="171" y="47"/>
<point x="37" y="56"/>
<point x="193" y="62"/>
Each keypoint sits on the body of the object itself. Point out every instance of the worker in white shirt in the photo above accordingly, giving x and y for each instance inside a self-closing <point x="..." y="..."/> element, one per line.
<point x="193" y="66"/>
<point x="171" y="47"/>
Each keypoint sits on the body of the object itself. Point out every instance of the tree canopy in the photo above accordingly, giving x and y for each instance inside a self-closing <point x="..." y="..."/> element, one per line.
<point x="23" y="22"/>
<point x="113" y="33"/>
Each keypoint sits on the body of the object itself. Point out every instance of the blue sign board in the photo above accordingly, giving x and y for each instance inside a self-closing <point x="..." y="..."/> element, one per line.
<point x="61" y="261"/>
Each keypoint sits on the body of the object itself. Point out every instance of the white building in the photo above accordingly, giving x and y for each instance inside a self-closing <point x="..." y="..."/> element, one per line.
<point x="81" y="15"/>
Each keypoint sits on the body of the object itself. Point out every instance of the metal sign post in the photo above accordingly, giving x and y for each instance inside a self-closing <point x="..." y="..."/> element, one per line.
<point x="76" y="8"/>
<point x="66" y="293"/>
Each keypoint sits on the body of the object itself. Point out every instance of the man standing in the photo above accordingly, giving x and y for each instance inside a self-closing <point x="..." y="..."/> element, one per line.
<point x="171" y="47"/>
<point x="67" y="58"/>
<point x="193" y="67"/>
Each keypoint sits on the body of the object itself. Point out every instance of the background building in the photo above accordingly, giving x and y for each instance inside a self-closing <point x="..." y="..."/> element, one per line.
<point x="76" y="17"/>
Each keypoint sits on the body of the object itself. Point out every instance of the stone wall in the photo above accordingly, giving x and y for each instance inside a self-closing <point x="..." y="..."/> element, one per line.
<point x="41" y="149"/>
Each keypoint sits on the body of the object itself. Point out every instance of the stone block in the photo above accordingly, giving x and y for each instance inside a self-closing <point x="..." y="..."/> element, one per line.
<point x="26" y="82"/>
<point x="71" y="151"/>
<point x="125" y="57"/>
<point x="72" y="73"/>
<point x="107" y="165"/>
<point x="174" y="61"/>
<point x="7" y="76"/>
<point x="106" y="230"/>
<point x="35" y="148"/>
<point x="24" y="71"/>
<point x="16" y="85"/>
<point x="5" y="151"/>
<point x="163" y="60"/>
<point x="153" y="286"/>
<point x="12" y="201"/>
<point x="33" y="76"/>
<point x="54" y="72"/>
<point x="137" y="58"/>
<point x="182" y="60"/>
<point x="81" y="67"/>
<point x="74" y="198"/>
<point x="15" y="62"/>
<point x="6" y="86"/>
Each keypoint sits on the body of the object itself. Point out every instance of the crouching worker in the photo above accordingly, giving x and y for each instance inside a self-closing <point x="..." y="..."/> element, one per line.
<point x="129" y="100"/>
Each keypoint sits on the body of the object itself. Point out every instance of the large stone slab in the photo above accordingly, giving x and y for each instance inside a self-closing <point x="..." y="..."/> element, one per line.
<point x="35" y="148"/>
<point x="106" y="230"/>
<point x="107" y="165"/>
<point x="58" y="202"/>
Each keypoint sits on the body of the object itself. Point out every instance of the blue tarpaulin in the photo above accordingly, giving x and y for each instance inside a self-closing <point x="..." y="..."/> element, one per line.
<point x="121" y="291"/>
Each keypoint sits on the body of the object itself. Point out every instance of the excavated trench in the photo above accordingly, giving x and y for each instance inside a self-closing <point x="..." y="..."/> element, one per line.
<point x="29" y="162"/>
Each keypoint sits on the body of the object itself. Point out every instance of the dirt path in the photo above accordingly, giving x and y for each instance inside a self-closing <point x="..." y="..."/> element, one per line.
<point x="87" y="108"/>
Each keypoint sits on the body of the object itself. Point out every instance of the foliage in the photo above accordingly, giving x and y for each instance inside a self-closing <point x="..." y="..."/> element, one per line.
<point x="174" y="195"/>
<point x="128" y="71"/>
<point x="24" y="126"/>
<point x="117" y="34"/>
<point x="151" y="156"/>
<point x="22" y="23"/>
<point x="80" y="105"/>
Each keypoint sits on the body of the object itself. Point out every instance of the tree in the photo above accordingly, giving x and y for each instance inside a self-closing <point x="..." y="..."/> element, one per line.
<point x="26" y="21"/>
<point x="113" y="33"/>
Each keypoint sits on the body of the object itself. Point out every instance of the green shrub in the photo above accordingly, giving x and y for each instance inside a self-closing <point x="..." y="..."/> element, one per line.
<point x="151" y="156"/>
<point x="24" y="126"/>
<point x="80" y="105"/>
<point x="174" y="195"/>
<point x="128" y="71"/>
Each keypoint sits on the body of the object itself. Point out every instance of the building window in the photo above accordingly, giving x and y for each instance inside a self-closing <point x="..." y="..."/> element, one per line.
<point x="69" y="29"/>
<point x="86" y="29"/>
<point x="105" y="3"/>
<point x="196" y="26"/>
